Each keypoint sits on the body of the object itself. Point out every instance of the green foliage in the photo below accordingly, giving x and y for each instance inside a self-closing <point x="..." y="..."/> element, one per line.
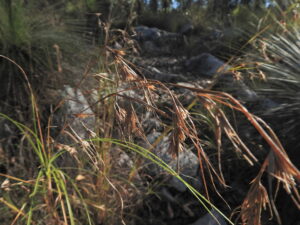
<point x="37" y="43"/>
<point x="50" y="182"/>
<point x="244" y="18"/>
<point x="277" y="57"/>
<point x="197" y="15"/>
<point x="21" y="33"/>
<point x="14" y="27"/>
<point x="82" y="6"/>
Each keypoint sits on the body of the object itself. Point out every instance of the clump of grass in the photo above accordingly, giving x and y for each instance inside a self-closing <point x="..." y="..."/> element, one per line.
<point x="37" y="44"/>
<point x="272" y="66"/>
<point x="55" y="193"/>
<point x="183" y="128"/>
<point x="88" y="191"/>
<point x="279" y="64"/>
<point x="58" y="190"/>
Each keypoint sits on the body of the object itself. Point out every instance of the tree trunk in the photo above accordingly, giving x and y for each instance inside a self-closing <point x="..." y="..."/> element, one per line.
<point x="166" y="4"/>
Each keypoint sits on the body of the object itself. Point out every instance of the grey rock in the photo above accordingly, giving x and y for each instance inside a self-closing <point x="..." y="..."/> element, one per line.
<point x="249" y="95"/>
<point x="122" y="163"/>
<point x="156" y="41"/>
<point x="144" y="33"/>
<point x="186" y="164"/>
<point x="208" y="219"/>
<point x="206" y="65"/>
<point x="155" y="74"/>
<point x="75" y="105"/>
<point x="269" y="106"/>
<point x="226" y="82"/>
<point x="245" y="93"/>
<point x="151" y="124"/>
<point x="150" y="47"/>
<point x="186" y="29"/>
<point x="73" y="123"/>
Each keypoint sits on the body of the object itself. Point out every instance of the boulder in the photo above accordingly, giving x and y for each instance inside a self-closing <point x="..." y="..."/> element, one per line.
<point x="123" y="165"/>
<point x="186" y="164"/>
<point x="144" y="33"/>
<point x="227" y="83"/>
<point x="155" y="74"/>
<point x="205" y="65"/>
<point x="150" y="47"/>
<point x="186" y="29"/>
<point x="155" y="41"/>
<point x="76" y="114"/>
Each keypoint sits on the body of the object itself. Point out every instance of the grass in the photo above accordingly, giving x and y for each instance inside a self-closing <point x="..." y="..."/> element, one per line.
<point x="38" y="44"/>
<point x="52" y="182"/>
<point x="183" y="128"/>
<point x="55" y="194"/>
<point x="80" y="182"/>
<point x="273" y="70"/>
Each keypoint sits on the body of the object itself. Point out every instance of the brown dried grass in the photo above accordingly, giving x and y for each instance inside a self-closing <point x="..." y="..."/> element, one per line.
<point x="276" y="165"/>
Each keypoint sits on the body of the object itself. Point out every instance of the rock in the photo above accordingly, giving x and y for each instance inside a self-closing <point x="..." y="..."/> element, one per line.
<point x="122" y="164"/>
<point x="216" y="34"/>
<point x="144" y="33"/>
<point x="186" y="29"/>
<point x="242" y="92"/>
<point x="150" y="47"/>
<point x="237" y="88"/>
<point x="187" y="161"/>
<point x="156" y="41"/>
<point x="208" y="219"/>
<point x="155" y="74"/>
<point x="269" y="105"/>
<point x="246" y="94"/>
<point x="76" y="113"/>
<point x="205" y="65"/>
<point x="151" y="124"/>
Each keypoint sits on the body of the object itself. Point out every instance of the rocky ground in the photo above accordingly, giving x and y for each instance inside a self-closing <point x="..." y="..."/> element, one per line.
<point x="162" y="57"/>
<point x="160" y="60"/>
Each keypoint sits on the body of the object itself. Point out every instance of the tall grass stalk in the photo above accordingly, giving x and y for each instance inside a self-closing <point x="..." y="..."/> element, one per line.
<point x="145" y="153"/>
